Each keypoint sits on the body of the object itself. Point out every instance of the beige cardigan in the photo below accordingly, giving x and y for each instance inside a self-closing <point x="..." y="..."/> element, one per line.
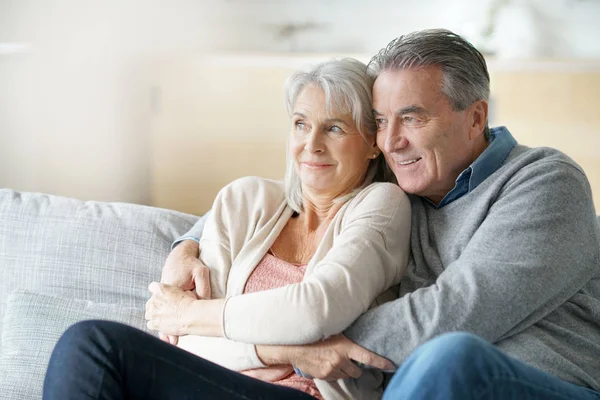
<point x="363" y="253"/>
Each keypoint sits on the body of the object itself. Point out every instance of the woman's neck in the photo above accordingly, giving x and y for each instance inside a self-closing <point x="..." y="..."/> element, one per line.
<point x="318" y="213"/>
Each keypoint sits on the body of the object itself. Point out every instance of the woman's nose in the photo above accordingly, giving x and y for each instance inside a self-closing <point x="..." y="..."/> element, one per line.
<point x="314" y="142"/>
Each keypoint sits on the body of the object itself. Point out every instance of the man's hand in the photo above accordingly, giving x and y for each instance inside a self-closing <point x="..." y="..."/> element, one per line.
<point x="184" y="270"/>
<point x="330" y="359"/>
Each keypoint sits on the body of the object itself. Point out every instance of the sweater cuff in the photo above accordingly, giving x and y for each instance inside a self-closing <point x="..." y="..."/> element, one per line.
<point x="181" y="239"/>
<point x="223" y="330"/>
<point x="256" y="359"/>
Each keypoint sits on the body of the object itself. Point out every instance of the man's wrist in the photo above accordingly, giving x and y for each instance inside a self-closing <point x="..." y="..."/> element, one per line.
<point x="189" y="247"/>
<point x="271" y="355"/>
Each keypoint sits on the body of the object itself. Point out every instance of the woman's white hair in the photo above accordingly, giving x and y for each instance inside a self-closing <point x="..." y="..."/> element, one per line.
<point x="348" y="88"/>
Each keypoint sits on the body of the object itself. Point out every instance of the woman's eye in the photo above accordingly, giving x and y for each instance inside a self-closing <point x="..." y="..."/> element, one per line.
<point x="335" y="129"/>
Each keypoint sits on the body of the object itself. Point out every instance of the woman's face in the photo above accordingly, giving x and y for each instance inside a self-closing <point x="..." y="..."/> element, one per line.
<point x="330" y="156"/>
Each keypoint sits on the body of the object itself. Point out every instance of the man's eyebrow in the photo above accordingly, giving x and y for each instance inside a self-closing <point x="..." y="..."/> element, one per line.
<point x="299" y="114"/>
<point x="414" y="109"/>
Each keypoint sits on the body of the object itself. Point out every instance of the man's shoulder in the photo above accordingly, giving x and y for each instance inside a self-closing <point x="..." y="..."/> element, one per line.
<point x="539" y="157"/>
<point x="541" y="177"/>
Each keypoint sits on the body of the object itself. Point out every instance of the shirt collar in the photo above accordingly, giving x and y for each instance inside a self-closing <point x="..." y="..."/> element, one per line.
<point x="492" y="158"/>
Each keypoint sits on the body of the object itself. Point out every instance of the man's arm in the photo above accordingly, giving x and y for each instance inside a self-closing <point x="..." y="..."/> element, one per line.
<point x="330" y="359"/>
<point x="182" y="267"/>
<point x="536" y="248"/>
<point x="195" y="233"/>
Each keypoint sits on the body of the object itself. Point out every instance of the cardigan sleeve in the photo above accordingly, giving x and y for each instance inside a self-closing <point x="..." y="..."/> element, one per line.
<point x="369" y="255"/>
<point x="239" y="208"/>
<point x="236" y="356"/>
<point x="217" y="252"/>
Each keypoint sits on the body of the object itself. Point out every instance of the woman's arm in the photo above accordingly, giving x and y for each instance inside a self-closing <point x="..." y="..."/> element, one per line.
<point x="170" y="310"/>
<point x="368" y="256"/>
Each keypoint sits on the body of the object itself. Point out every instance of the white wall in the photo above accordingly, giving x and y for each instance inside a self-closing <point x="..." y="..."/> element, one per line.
<point x="76" y="108"/>
<point x="559" y="28"/>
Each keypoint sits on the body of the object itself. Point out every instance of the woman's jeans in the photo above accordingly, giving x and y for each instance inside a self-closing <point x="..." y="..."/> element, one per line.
<point x="109" y="361"/>
<point x="464" y="366"/>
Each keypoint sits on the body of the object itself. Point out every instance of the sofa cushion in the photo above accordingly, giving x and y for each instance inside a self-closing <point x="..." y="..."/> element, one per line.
<point x="33" y="323"/>
<point x="101" y="252"/>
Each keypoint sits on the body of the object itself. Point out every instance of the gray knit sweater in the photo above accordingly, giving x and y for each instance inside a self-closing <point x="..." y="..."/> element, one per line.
<point x="516" y="261"/>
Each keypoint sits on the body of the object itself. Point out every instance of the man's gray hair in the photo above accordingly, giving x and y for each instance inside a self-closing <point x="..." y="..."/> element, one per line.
<point x="466" y="78"/>
<point x="347" y="88"/>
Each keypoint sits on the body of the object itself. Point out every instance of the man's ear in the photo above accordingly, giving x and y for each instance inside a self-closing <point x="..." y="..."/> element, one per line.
<point x="478" y="118"/>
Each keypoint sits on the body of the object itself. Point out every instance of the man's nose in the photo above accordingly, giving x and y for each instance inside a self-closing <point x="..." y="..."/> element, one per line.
<point x="394" y="138"/>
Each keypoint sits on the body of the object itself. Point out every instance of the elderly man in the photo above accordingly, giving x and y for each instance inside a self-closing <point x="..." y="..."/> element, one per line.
<point x="502" y="296"/>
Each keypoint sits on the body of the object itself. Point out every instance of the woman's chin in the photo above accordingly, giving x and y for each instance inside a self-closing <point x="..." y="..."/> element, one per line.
<point x="317" y="185"/>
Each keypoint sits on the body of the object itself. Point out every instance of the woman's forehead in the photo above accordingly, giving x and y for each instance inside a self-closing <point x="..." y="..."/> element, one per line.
<point x="331" y="103"/>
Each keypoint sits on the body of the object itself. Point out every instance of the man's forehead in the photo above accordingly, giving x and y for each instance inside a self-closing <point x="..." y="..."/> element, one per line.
<point x="428" y="75"/>
<point x="408" y="85"/>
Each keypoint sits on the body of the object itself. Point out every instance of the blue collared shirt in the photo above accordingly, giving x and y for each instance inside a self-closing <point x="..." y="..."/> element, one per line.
<point x="501" y="144"/>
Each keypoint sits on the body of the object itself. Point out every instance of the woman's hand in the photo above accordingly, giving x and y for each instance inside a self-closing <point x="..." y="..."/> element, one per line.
<point x="176" y="312"/>
<point x="183" y="269"/>
<point x="168" y="308"/>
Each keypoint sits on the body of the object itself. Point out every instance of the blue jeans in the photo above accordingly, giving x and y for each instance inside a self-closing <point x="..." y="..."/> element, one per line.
<point x="109" y="361"/>
<point x="464" y="366"/>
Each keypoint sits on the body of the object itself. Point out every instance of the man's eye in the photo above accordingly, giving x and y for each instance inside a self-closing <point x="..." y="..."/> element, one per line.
<point x="381" y="123"/>
<point x="299" y="126"/>
<point x="411" y="120"/>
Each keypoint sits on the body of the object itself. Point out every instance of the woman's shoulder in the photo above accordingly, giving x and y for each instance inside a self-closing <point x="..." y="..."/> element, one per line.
<point x="381" y="193"/>
<point x="255" y="183"/>
<point x="381" y="203"/>
<point x="253" y="189"/>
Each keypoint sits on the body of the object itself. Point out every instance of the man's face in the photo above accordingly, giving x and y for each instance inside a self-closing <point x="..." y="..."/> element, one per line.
<point x="426" y="143"/>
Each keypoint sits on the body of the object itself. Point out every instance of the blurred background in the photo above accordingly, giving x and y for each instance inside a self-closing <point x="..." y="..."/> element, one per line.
<point x="164" y="102"/>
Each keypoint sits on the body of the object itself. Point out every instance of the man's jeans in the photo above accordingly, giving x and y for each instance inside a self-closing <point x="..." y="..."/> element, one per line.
<point x="464" y="366"/>
<point x="109" y="361"/>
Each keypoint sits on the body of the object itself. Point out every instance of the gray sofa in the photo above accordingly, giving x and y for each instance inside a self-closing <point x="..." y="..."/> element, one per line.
<point x="63" y="260"/>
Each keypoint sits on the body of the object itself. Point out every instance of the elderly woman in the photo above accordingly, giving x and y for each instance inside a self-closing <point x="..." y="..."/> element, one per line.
<point x="290" y="263"/>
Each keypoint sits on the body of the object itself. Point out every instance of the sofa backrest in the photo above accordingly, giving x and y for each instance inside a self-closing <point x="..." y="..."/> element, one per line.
<point x="100" y="252"/>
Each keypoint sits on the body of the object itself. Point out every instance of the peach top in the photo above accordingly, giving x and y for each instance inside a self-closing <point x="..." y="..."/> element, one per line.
<point x="273" y="272"/>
